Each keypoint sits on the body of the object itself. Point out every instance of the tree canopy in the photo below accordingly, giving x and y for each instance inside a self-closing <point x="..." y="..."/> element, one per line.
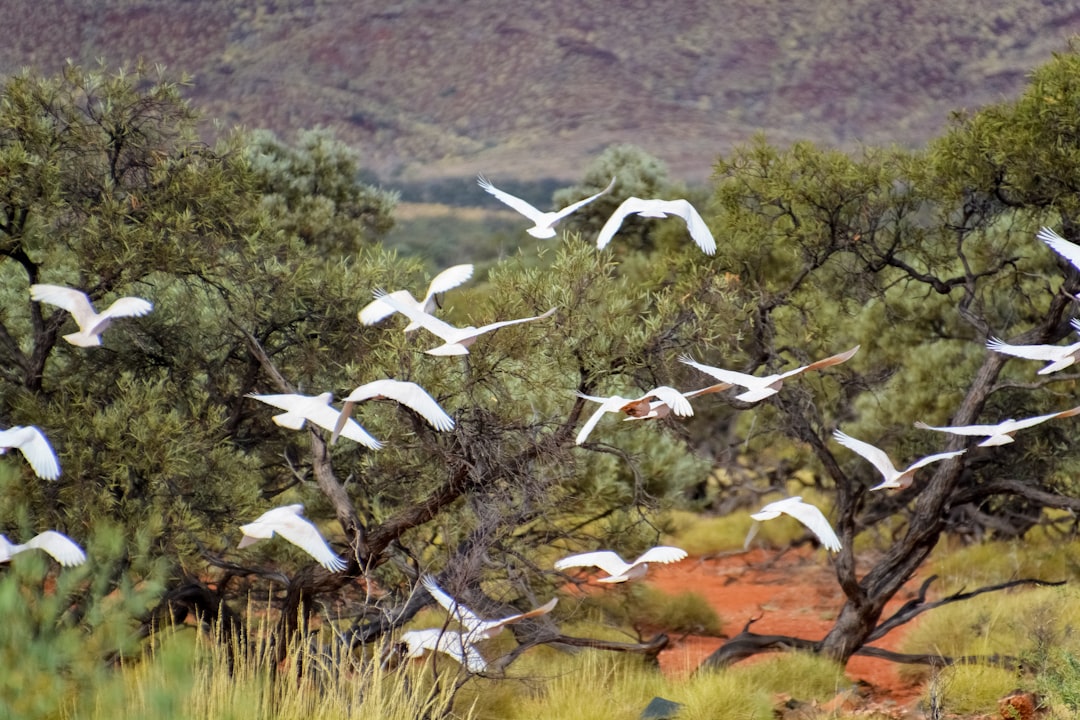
<point x="257" y="256"/>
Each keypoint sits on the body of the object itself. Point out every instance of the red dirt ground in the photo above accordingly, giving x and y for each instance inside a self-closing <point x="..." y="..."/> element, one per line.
<point x="794" y="593"/>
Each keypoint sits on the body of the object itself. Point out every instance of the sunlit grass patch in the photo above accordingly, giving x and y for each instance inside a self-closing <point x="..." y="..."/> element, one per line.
<point x="640" y="605"/>
<point x="995" y="562"/>
<point x="969" y="689"/>
<point x="801" y="675"/>
<point x="706" y="535"/>
<point x="594" y="684"/>
<point x="187" y="675"/>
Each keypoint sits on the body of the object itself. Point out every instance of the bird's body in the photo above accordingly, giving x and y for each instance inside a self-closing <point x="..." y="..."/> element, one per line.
<point x="91" y="323"/>
<point x="639" y="407"/>
<point x="660" y="409"/>
<point x="1059" y="357"/>
<point x="759" y="388"/>
<point x="809" y="515"/>
<point x="316" y="409"/>
<point x="287" y="522"/>
<point x="699" y="231"/>
<point x="35" y="447"/>
<point x="543" y="222"/>
<point x="407" y="393"/>
<point x="893" y="478"/>
<point x="450" y="642"/>
<point x="62" y="548"/>
<point x="1069" y="251"/>
<point x="448" y="279"/>
<point x="1003" y="432"/>
<point x="456" y="340"/>
<point x="619" y="570"/>
<point x="476" y="628"/>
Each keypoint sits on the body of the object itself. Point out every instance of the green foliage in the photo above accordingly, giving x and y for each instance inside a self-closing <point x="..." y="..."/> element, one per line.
<point x="311" y="190"/>
<point x="186" y="675"/>
<point x="801" y="675"/>
<point x="592" y="684"/>
<point x="258" y="255"/>
<point x="641" y="606"/>
<point x="59" y="627"/>
<point x="970" y="689"/>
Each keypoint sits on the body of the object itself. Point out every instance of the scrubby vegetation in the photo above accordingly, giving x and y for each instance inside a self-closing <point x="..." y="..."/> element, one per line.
<point x="257" y="253"/>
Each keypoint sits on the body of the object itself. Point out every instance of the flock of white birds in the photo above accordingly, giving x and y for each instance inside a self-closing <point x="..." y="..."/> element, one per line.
<point x="288" y="522"/>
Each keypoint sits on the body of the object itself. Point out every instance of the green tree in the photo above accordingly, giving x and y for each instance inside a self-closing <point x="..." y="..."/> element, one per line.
<point x="312" y="190"/>
<point x="920" y="257"/>
<point x="256" y="260"/>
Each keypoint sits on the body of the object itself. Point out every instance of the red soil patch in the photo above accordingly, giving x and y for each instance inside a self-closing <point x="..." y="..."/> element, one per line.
<point x="793" y="593"/>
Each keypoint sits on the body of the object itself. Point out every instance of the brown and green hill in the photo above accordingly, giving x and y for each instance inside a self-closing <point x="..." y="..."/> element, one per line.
<point x="437" y="88"/>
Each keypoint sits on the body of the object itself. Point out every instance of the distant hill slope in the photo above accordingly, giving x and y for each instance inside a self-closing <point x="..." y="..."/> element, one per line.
<point x="431" y="88"/>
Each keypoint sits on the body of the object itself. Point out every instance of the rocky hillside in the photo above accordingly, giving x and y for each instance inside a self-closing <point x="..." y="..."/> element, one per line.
<point x="428" y="88"/>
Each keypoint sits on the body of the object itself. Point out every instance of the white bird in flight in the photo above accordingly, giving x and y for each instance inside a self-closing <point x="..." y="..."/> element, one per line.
<point x="634" y="407"/>
<point x="62" y="548"/>
<point x="1068" y="250"/>
<point x="809" y="515"/>
<point x="619" y="570"/>
<point x="1002" y="433"/>
<point x="450" y="642"/>
<point x="759" y="388"/>
<point x="477" y="628"/>
<point x="456" y="340"/>
<point x="407" y="393"/>
<point x="699" y="231"/>
<point x="1059" y="357"/>
<point x="34" y="446"/>
<point x="893" y="478"/>
<point x="448" y="279"/>
<point x="544" y="222"/>
<point x="660" y="409"/>
<point x="91" y="323"/>
<point x="316" y="409"/>
<point x="287" y="522"/>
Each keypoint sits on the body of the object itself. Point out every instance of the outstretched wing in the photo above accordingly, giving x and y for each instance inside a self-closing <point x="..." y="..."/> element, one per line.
<point x="1029" y="422"/>
<point x="74" y="301"/>
<point x="606" y="560"/>
<point x="875" y="455"/>
<point x="128" y="307"/>
<point x="463" y="614"/>
<point x="810" y="516"/>
<point x="727" y="376"/>
<point x="63" y="549"/>
<point x="1069" y="251"/>
<point x="503" y="323"/>
<point x="933" y="459"/>
<point x="826" y="362"/>
<point x="673" y="399"/>
<point x="448" y="279"/>
<point x="515" y="202"/>
<point x="491" y="628"/>
<point x="609" y="404"/>
<point x="1028" y="352"/>
<point x="432" y="324"/>
<point x="377" y="310"/>
<point x="661" y="554"/>
<point x="581" y="203"/>
<point x="963" y="429"/>
<point x="611" y="226"/>
<point x="696" y="226"/>
<point x="408" y="394"/>
<point x="35" y="447"/>
<point x="305" y="536"/>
